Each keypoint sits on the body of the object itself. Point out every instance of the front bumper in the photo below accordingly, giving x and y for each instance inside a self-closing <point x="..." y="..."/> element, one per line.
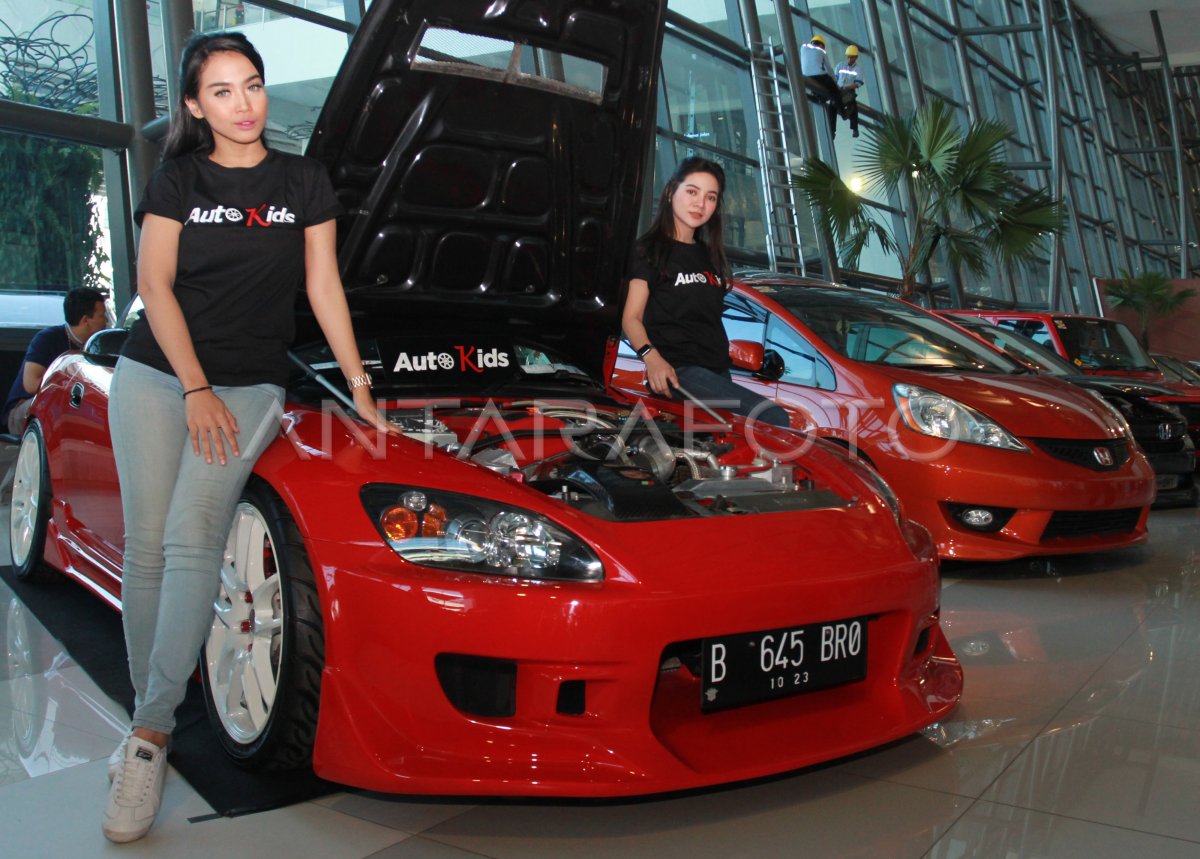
<point x="1054" y="507"/>
<point x="628" y="726"/>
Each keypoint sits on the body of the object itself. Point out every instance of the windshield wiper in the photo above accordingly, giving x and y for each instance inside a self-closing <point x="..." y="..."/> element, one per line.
<point x="561" y="375"/>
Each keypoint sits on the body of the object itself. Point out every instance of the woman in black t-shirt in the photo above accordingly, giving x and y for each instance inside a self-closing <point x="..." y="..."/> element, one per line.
<point x="229" y="229"/>
<point x="677" y="286"/>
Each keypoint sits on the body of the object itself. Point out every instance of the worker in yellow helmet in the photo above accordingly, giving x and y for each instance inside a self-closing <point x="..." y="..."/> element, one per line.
<point x="815" y="67"/>
<point x="849" y="80"/>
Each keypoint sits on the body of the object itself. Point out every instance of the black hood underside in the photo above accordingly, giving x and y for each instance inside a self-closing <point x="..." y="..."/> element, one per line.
<point x="489" y="157"/>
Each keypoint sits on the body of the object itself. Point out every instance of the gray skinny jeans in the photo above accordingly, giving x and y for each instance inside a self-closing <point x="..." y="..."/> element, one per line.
<point x="178" y="512"/>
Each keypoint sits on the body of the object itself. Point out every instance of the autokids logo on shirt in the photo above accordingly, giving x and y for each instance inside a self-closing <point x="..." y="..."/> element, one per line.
<point x="258" y="216"/>
<point x="687" y="278"/>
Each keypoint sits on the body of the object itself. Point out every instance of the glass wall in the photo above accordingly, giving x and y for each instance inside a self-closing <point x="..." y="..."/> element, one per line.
<point x="53" y="213"/>
<point x="1122" y="197"/>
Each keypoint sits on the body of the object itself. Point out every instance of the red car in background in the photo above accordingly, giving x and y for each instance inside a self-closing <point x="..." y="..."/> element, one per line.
<point x="1159" y="428"/>
<point x="542" y="588"/>
<point x="997" y="462"/>
<point x="1099" y="346"/>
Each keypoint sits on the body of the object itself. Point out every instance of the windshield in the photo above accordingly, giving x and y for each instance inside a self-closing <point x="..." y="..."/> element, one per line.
<point x="1016" y="346"/>
<point x="1102" y="344"/>
<point x="879" y="330"/>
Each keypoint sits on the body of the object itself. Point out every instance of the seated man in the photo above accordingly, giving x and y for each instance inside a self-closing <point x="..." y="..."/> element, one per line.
<point x="815" y="68"/>
<point x="849" y="81"/>
<point x="85" y="314"/>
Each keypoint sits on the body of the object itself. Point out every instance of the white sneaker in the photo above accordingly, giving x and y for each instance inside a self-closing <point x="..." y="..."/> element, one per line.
<point x="117" y="757"/>
<point x="136" y="791"/>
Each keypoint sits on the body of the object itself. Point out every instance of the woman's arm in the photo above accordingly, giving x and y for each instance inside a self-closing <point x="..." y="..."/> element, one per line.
<point x="208" y="419"/>
<point x="328" y="300"/>
<point x="659" y="373"/>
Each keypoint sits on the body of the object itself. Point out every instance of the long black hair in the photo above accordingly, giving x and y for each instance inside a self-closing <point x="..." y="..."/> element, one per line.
<point x="655" y="243"/>
<point x="187" y="133"/>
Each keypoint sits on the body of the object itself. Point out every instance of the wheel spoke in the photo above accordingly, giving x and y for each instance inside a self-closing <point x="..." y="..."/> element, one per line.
<point x="224" y="614"/>
<point x="252" y="571"/>
<point x="256" y="705"/>
<point x="234" y="705"/>
<point x="267" y="629"/>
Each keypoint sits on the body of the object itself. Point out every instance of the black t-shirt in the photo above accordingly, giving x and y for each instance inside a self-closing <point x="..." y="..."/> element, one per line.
<point x="683" y="314"/>
<point x="241" y="259"/>
<point x="45" y="346"/>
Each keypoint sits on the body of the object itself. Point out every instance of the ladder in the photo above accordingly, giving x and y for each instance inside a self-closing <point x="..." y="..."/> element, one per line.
<point x="782" y="216"/>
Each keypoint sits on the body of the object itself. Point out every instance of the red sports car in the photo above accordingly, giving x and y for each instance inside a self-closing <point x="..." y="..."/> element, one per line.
<point x="543" y="588"/>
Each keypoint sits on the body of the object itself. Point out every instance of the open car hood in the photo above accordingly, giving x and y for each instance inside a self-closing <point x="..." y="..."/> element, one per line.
<point x="489" y="155"/>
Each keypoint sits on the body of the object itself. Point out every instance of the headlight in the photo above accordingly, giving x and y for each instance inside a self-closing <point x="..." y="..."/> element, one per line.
<point x="461" y="532"/>
<point x="1120" y="409"/>
<point x="930" y="413"/>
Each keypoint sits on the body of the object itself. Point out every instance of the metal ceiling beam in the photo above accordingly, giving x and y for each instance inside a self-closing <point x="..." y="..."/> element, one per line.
<point x="1176" y="147"/>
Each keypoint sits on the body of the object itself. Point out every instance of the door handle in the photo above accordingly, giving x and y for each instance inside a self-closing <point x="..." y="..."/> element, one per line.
<point x="76" y="397"/>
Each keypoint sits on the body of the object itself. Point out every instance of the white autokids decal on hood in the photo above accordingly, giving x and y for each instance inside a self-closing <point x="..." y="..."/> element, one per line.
<point x="464" y="358"/>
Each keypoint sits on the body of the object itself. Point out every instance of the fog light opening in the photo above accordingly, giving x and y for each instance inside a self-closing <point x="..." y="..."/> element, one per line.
<point x="572" y="698"/>
<point x="478" y="685"/>
<point x="980" y="517"/>
<point x="922" y="642"/>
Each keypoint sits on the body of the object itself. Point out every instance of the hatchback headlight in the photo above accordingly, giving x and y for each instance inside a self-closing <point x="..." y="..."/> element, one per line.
<point x="1120" y="410"/>
<point x="473" y="535"/>
<point x="933" y="414"/>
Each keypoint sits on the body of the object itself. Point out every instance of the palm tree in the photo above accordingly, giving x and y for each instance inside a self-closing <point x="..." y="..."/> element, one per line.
<point x="1149" y="294"/>
<point x="963" y="196"/>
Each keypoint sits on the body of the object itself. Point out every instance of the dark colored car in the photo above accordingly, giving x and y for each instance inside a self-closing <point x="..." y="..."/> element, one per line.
<point x="542" y="588"/>
<point x="1177" y="369"/>
<point x="1102" y="347"/>
<point x="1159" y="428"/>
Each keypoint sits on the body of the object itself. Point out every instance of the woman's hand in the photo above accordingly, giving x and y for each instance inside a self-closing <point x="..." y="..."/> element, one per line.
<point x="660" y="374"/>
<point x="364" y="404"/>
<point x="211" y="426"/>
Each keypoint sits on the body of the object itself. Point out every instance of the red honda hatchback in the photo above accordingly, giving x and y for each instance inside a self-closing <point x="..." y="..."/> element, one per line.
<point x="998" y="463"/>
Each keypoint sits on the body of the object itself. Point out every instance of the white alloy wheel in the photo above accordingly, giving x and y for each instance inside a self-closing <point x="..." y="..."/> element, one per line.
<point x="245" y="644"/>
<point x="29" y="512"/>
<point x="23" y="525"/>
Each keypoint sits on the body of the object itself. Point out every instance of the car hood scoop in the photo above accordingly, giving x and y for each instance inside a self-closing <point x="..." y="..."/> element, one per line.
<point x="489" y="157"/>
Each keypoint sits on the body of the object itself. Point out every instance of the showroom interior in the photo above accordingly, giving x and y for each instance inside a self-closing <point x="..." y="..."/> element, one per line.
<point x="1078" y="730"/>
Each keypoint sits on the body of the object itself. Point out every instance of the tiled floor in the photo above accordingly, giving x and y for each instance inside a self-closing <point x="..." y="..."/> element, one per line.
<point x="1078" y="736"/>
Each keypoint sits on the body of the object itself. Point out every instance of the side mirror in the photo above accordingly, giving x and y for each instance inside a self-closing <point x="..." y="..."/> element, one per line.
<point x="746" y="355"/>
<point x="772" y="366"/>
<point x="104" y="347"/>
<point x="765" y="364"/>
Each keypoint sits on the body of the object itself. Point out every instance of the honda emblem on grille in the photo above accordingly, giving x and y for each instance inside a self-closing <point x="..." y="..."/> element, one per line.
<point x="1103" y="455"/>
<point x="1165" y="431"/>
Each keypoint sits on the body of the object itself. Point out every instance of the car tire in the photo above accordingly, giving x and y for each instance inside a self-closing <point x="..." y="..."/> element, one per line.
<point x="29" y="511"/>
<point x="262" y="663"/>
